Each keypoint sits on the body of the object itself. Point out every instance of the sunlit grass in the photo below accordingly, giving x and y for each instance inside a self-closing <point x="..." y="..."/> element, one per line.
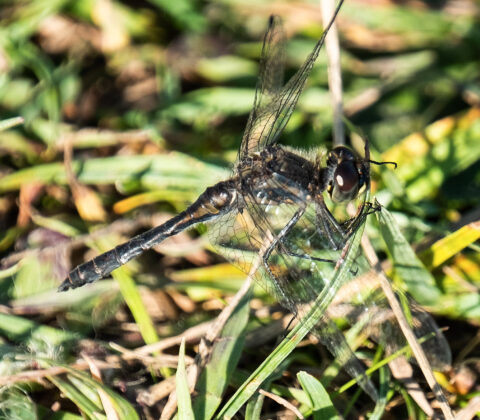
<point x="152" y="101"/>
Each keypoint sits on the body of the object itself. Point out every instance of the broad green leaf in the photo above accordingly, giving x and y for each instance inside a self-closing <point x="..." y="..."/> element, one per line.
<point x="201" y="106"/>
<point x="463" y="306"/>
<point x="226" y="67"/>
<point x="34" y="276"/>
<point x="37" y="336"/>
<point x="174" y="171"/>
<point x="418" y="281"/>
<point x="320" y="400"/>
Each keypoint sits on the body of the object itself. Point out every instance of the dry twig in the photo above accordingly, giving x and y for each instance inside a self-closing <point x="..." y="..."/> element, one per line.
<point x="282" y="401"/>
<point x="406" y="330"/>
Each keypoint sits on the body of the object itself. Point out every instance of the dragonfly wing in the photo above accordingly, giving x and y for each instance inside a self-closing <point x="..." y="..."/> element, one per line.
<point x="300" y="261"/>
<point x="297" y="261"/>
<point x="332" y="338"/>
<point x="271" y="113"/>
<point x="364" y="302"/>
<point x="269" y="83"/>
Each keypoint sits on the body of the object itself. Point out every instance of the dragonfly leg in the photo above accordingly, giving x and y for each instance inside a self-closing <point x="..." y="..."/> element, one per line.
<point x="353" y="223"/>
<point x="309" y="257"/>
<point x="354" y="272"/>
<point x="325" y="222"/>
<point x="268" y="251"/>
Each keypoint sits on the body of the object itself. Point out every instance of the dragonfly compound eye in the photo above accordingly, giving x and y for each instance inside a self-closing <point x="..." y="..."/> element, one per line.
<point x="346" y="181"/>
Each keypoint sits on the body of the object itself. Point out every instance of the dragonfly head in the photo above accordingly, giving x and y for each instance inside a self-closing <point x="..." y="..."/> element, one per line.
<point x="346" y="174"/>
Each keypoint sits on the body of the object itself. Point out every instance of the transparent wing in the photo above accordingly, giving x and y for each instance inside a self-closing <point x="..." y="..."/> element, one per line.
<point x="363" y="302"/>
<point x="298" y="254"/>
<point x="272" y="107"/>
<point x="300" y="244"/>
<point x="270" y="81"/>
<point x="300" y="240"/>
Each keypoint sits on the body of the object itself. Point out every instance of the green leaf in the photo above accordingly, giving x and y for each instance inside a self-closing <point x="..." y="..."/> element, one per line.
<point x="185" y="411"/>
<point x="224" y="358"/>
<point x="427" y="159"/>
<point x="320" y="400"/>
<point x="225" y="68"/>
<point x="33" y="277"/>
<point x="417" y="279"/>
<point x="254" y="407"/>
<point x="452" y="244"/>
<point x="204" y="105"/>
<point x="70" y="391"/>
<point x="83" y="391"/>
<point x="174" y="171"/>
<point x="46" y="414"/>
<point x="9" y="123"/>
<point x="132" y="297"/>
<point x="37" y="336"/>
<point x="382" y="394"/>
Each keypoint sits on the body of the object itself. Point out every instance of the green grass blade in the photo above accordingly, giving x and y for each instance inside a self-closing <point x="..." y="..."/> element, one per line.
<point x="254" y="407"/>
<point x="86" y="397"/>
<point x="382" y="394"/>
<point x="185" y="411"/>
<point x="132" y="297"/>
<point x="225" y="356"/>
<point x="452" y="244"/>
<point x="88" y="407"/>
<point x="10" y="122"/>
<point x="320" y="400"/>
<point x="174" y="171"/>
<point x="418" y="280"/>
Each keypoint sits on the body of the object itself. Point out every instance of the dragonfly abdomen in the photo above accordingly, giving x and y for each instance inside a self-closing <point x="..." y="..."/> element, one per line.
<point x="216" y="200"/>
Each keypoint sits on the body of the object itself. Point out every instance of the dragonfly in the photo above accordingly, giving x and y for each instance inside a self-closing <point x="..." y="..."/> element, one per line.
<point x="274" y="208"/>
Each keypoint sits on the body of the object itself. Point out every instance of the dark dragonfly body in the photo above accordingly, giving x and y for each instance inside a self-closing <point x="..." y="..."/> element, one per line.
<point x="261" y="162"/>
<point x="273" y="208"/>
<point x="342" y="177"/>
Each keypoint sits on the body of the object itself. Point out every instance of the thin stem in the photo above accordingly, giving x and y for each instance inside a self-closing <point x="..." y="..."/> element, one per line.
<point x="334" y="72"/>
